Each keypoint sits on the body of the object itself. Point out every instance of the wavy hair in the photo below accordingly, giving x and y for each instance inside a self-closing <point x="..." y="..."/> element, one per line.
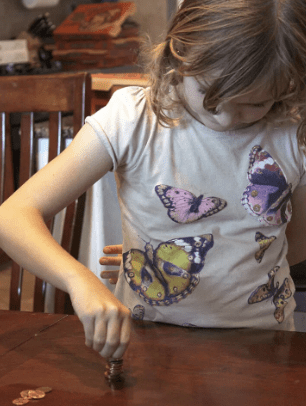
<point x="250" y="42"/>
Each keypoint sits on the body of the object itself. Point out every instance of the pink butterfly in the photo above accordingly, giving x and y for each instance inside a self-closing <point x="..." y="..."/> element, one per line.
<point x="184" y="207"/>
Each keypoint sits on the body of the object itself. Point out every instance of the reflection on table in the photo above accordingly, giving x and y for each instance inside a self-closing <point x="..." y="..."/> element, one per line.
<point x="164" y="365"/>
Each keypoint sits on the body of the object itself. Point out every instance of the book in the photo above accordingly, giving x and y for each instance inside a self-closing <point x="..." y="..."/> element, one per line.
<point x="95" y="21"/>
<point x="96" y="43"/>
<point x="93" y="64"/>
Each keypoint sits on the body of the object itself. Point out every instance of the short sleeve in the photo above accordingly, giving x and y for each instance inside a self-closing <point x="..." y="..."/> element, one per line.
<point x="124" y="126"/>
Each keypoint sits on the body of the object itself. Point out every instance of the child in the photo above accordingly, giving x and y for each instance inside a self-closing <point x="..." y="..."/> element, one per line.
<point x="208" y="166"/>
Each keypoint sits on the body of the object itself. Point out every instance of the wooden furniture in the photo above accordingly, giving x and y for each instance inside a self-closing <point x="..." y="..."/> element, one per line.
<point x="105" y="84"/>
<point x="298" y="274"/>
<point x="55" y="95"/>
<point x="164" y="365"/>
<point x="97" y="36"/>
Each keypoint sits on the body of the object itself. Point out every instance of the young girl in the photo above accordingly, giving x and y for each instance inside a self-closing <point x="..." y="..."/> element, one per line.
<point x="209" y="169"/>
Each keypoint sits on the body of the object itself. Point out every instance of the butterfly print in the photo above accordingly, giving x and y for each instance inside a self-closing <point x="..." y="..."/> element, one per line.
<point x="170" y="272"/>
<point x="184" y="207"/>
<point x="270" y="290"/>
<point x="268" y="194"/>
<point x="138" y="312"/>
<point x="264" y="243"/>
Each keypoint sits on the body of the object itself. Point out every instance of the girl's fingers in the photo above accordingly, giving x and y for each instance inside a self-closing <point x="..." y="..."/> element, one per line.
<point x="100" y="334"/>
<point x="110" y="260"/>
<point x="124" y="338"/>
<point x="112" y="341"/>
<point x="113" y="249"/>
<point x="111" y="275"/>
<point x="89" y="329"/>
<point x="118" y="334"/>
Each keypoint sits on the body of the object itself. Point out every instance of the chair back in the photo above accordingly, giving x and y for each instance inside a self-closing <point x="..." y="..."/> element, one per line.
<point x="26" y="98"/>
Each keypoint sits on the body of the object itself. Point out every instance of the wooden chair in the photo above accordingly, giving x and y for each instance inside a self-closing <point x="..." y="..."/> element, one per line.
<point x="54" y="94"/>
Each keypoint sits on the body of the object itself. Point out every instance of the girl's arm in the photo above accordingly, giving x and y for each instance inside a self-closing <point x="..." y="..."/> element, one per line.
<point x="296" y="229"/>
<point x="26" y="239"/>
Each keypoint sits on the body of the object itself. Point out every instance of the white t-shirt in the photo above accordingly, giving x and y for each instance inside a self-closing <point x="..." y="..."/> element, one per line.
<point x="203" y="216"/>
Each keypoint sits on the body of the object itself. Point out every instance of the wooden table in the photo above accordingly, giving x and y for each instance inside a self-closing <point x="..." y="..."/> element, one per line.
<point x="164" y="365"/>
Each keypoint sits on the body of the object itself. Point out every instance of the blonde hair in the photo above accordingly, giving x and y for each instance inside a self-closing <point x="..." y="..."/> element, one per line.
<point x="248" y="42"/>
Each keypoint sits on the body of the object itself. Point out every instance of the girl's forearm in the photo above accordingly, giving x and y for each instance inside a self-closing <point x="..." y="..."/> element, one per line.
<point x="27" y="240"/>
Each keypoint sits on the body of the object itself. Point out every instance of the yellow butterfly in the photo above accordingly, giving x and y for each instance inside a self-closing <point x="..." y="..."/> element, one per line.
<point x="170" y="272"/>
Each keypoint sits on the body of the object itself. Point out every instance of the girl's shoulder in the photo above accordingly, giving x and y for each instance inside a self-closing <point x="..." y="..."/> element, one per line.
<point x="130" y="100"/>
<point x="126" y="125"/>
<point x="128" y="108"/>
<point x="285" y="128"/>
<point x="279" y="135"/>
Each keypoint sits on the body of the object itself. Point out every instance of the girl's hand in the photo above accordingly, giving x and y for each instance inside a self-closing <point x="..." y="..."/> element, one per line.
<point x="106" y="321"/>
<point x="112" y="275"/>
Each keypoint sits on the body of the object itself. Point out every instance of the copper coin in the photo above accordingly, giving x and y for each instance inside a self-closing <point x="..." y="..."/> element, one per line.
<point x="36" y="394"/>
<point x="45" y="389"/>
<point x="20" y="401"/>
<point x="25" y="394"/>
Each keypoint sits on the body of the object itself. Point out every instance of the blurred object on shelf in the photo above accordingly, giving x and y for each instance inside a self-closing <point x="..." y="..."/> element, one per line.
<point x="39" y="3"/>
<point x="39" y="44"/>
<point x="27" y="69"/>
<point x="33" y="43"/>
<point x="97" y="36"/>
<point x="42" y="27"/>
<point x="14" y="51"/>
<point x="45" y="57"/>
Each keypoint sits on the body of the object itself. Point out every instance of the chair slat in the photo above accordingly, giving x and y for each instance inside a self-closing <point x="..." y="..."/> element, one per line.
<point x="6" y="160"/>
<point x="26" y="147"/>
<point x="54" y="94"/>
<point x="39" y="295"/>
<point x="55" y="129"/>
<point x="6" y="169"/>
<point x="16" y="286"/>
<point x="78" y="226"/>
<point x="2" y="157"/>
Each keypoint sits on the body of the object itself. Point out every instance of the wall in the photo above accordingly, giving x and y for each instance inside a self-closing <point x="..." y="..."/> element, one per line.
<point x="151" y="15"/>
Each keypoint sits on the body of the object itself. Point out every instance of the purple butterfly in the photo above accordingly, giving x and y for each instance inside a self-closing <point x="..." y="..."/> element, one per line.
<point x="184" y="207"/>
<point x="268" y="194"/>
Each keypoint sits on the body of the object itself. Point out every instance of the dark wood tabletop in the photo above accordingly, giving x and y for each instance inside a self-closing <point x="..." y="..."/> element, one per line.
<point x="164" y="365"/>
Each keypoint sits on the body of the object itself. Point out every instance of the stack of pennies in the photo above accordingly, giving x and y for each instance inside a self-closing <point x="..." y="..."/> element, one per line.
<point x="114" y="369"/>
<point x="29" y="394"/>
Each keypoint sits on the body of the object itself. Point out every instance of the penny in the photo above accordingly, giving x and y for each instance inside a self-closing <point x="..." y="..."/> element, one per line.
<point x="45" y="389"/>
<point x="25" y="394"/>
<point x="114" y="368"/>
<point x="20" y="401"/>
<point x="37" y="394"/>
